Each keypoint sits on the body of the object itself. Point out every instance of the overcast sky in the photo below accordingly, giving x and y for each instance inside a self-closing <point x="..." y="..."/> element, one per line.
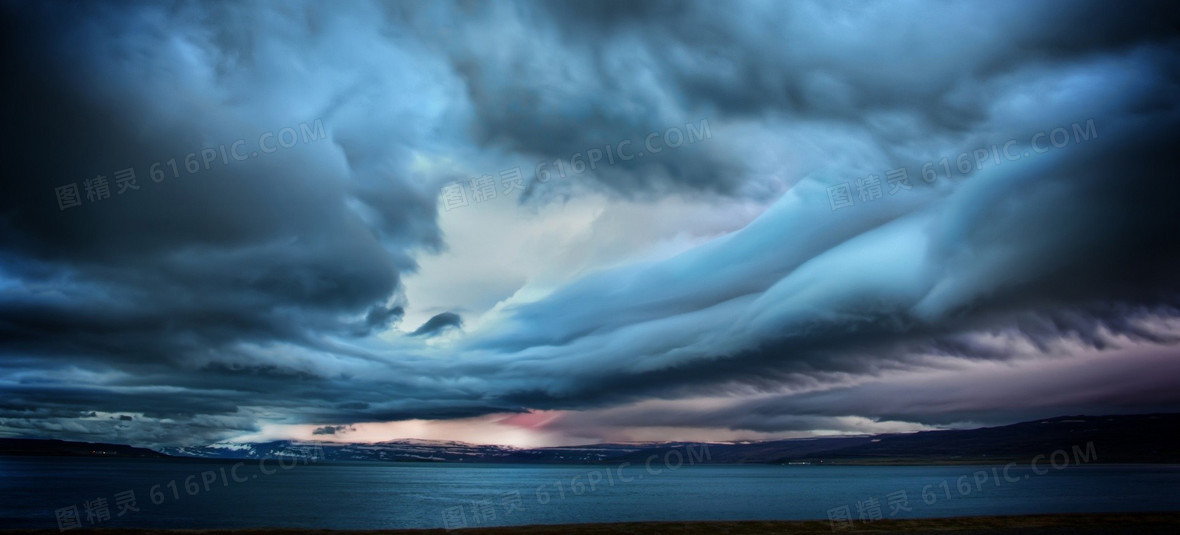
<point x="539" y="223"/>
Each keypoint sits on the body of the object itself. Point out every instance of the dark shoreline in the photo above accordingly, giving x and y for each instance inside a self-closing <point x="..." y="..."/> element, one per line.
<point x="1087" y="523"/>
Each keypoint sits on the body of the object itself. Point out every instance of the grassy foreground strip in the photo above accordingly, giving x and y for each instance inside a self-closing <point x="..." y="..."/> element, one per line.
<point x="1113" y="523"/>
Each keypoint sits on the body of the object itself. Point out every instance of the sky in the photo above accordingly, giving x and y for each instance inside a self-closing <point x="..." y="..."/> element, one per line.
<point x="553" y="223"/>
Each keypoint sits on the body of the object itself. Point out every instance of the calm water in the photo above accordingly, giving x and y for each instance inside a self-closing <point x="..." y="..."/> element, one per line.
<point x="402" y="495"/>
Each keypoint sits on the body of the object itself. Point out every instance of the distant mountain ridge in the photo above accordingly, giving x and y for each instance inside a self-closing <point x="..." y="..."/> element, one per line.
<point x="1149" y="438"/>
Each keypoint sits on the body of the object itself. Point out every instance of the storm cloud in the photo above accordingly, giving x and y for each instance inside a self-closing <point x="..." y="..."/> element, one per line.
<point x="263" y="280"/>
<point x="438" y="323"/>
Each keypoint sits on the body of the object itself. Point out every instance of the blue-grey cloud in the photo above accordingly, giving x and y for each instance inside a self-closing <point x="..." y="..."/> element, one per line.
<point x="438" y="323"/>
<point x="265" y="289"/>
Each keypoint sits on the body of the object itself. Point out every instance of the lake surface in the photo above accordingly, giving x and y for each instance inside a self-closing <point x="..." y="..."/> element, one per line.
<point x="38" y="492"/>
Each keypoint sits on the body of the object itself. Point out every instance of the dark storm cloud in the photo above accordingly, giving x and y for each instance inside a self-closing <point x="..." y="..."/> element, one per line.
<point x="544" y="92"/>
<point x="567" y="77"/>
<point x="1101" y="262"/>
<point x="1082" y="236"/>
<point x="332" y="429"/>
<point x="285" y="247"/>
<point x="438" y="323"/>
<point x="258" y="290"/>
<point x="807" y="59"/>
<point x="198" y="274"/>
<point x="989" y="396"/>
<point x="380" y="317"/>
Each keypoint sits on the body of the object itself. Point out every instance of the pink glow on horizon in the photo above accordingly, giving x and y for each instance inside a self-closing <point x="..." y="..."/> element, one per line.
<point x="1051" y="385"/>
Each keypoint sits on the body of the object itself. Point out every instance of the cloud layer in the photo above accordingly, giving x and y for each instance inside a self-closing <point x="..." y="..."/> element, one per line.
<point x="270" y="289"/>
